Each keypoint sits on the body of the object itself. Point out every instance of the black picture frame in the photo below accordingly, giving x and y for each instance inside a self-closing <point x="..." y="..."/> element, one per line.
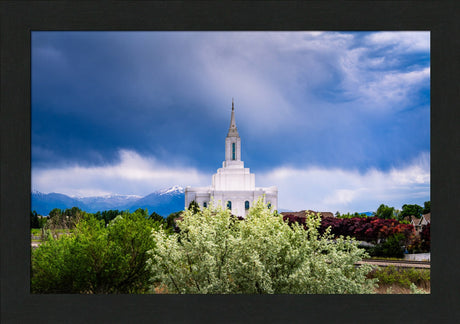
<point x="19" y="18"/>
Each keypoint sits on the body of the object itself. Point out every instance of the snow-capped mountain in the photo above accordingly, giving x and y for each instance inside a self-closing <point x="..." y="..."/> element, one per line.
<point x="163" y="202"/>
<point x="172" y="191"/>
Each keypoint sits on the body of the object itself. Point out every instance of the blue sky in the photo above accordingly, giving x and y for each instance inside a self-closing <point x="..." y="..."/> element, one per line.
<point x="339" y="121"/>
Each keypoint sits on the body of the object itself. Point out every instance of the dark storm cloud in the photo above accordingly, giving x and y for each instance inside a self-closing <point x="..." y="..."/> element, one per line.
<point x="109" y="91"/>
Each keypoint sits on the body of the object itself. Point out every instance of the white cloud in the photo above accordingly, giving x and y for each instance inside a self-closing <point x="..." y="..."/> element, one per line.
<point x="375" y="74"/>
<point x="350" y="191"/>
<point x="393" y="88"/>
<point x="404" y="40"/>
<point x="378" y="83"/>
<point x="133" y="174"/>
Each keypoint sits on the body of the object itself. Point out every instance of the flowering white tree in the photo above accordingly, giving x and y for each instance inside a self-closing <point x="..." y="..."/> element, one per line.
<point x="215" y="253"/>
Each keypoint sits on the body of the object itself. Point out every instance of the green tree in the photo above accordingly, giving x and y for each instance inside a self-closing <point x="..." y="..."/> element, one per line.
<point x="426" y="207"/>
<point x="143" y="212"/>
<point x="55" y="212"/>
<point x="64" y="219"/>
<point x="107" y="215"/>
<point x="157" y="218"/>
<point x="411" y="210"/>
<point x="73" y="212"/>
<point x="385" y="212"/>
<point x="131" y="235"/>
<point x="216" y="253"/>
<point x="34" y="221"/>
<point x="194" y="207"/>
<point x="51" y="269"/>
<point x="96" y="258"/>
<point x="391" y="247"/>
<point x="171" y="219"/>
<point x="42" y="221"/>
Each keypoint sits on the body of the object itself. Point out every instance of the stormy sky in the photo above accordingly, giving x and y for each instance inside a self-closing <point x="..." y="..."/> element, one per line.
<point x="339" y="121"/>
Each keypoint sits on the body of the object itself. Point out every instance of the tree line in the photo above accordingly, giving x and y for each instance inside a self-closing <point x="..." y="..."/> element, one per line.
<point x="68" y="218"/>
<point x="386" y="212"/>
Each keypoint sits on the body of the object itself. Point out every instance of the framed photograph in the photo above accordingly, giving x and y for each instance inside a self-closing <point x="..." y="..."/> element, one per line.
<point x="130" y="119"/>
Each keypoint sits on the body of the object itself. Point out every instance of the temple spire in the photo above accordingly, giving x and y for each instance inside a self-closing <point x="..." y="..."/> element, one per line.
<point x="233" y="144"/>
<point x="233" y="131"/>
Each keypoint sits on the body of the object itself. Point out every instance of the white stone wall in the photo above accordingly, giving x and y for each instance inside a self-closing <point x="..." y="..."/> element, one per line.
<point x="233" y="179"/>
<point x="237" y="197"/>
<point x="199" y="194"/>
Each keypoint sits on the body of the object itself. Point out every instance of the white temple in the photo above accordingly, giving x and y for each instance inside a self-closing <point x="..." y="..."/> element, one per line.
<point x="233" y="185"/>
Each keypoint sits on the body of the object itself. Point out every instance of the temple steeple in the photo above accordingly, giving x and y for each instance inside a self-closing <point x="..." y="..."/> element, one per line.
<point x="233" y="186"/>
<point x="233" y="143"/>
<point x="233" y="131"/>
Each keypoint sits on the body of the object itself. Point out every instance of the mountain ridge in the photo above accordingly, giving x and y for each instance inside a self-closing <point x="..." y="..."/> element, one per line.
<point x="163" y="202"/>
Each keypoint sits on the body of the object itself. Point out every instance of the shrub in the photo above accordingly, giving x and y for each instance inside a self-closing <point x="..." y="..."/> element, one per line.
<point x="216" y="253"/>
<point x="425" y="238"/>
<point x="96" y="258"/>
<point x="392" y="247"/>
<point x="403" y="277"/>
<point x="369" y="229"/>
<point x="422" y="242"/>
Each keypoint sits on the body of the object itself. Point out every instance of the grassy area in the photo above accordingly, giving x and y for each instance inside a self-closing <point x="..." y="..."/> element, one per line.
<point x="36" y="231"/>
<point x="62" y="230"/>
<point x="396" y="289"/>
<point x="394" y="280"/>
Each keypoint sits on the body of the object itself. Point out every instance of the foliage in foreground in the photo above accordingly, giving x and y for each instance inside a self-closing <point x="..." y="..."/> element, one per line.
<point x="96" y="258"/>
<point x="216" y="253"/>
<point x="402" y="277"/>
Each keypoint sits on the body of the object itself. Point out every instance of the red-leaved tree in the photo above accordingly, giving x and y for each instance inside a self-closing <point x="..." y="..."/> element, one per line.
<point x="369" y="229"/>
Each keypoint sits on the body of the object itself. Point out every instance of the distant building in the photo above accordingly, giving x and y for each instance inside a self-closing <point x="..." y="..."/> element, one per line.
<point x="233" y="186"/>
<point x="419" y="222"/>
